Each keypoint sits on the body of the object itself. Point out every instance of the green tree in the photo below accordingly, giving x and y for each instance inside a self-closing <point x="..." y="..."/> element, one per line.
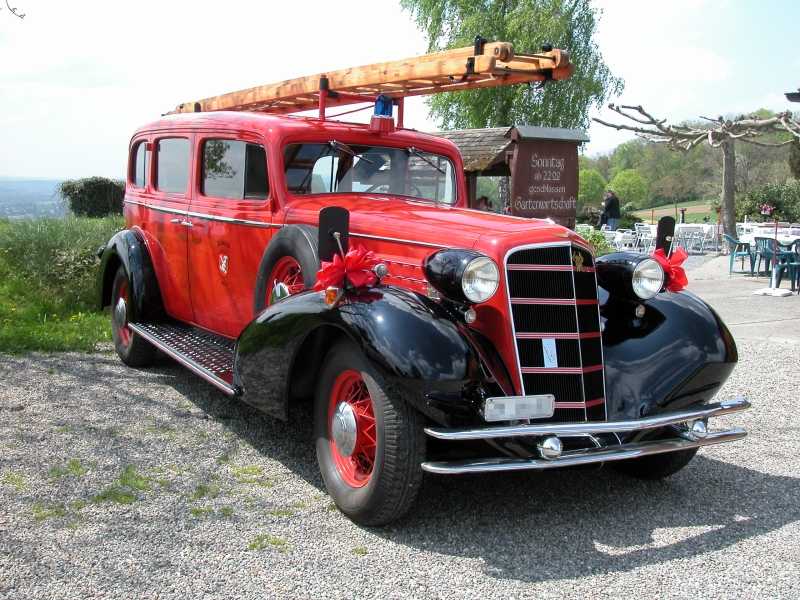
<point x="591" y="186"/>
<point x="783" y="197"/>
<point x="630" y="187"/>
<point x="794" y="159"/>
<point x="567" y="24"/>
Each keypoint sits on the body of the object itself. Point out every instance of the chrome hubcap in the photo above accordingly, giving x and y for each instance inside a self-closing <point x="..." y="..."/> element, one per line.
<point x="121" y="312"/>
<point x="279" y="291"/>
<point x="344" y="429"/>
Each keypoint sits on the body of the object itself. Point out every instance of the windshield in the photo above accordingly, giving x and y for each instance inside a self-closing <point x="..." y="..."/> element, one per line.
<point x="335" y="167"/>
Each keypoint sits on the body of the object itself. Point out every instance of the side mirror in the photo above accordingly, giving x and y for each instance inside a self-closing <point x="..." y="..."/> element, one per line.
<point x="333" y="219"/>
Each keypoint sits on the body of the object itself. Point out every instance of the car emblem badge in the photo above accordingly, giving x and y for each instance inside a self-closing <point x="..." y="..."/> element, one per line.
<point x="577" y="260"/>
<point x="223" y="264"/>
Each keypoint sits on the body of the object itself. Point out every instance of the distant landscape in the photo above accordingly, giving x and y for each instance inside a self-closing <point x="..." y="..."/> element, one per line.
<point x="20" y="198"/>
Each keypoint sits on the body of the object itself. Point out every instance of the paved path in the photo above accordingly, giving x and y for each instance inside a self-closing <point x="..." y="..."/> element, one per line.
<point x="119" y="483"/>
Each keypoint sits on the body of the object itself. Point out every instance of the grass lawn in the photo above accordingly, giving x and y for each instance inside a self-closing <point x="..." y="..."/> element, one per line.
<point x="696" y="210"/>
<point x="47" y="275"/>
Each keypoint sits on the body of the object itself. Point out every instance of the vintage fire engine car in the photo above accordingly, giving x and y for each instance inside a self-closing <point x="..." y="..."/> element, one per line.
<point x="439" y="339"/>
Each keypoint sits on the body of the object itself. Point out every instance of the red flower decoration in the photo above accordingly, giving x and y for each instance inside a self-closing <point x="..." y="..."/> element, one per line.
<point x="675" y="275"/>
<point x="356" y="267"/>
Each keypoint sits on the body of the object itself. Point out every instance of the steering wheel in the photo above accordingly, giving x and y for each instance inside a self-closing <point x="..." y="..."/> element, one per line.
<point x="376" y="188"/>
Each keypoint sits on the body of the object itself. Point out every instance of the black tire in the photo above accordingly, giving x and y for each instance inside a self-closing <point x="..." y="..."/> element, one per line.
<point x="658" y="466"/>
<point x="297" y="241"/>
<point x="132" y="349"/>
<point x="396" y="475"/>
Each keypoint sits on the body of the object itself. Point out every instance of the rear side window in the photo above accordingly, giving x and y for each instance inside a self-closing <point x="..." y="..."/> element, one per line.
<point x="140" y="165"/>
<point x="172" y="166"/>
<point x="234" y="169"/>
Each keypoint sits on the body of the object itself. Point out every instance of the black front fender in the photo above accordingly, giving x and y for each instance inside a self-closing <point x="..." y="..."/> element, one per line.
<point x="679" y="353"/>
<point x="127" y="248"/>
<point x="416" y="345"/>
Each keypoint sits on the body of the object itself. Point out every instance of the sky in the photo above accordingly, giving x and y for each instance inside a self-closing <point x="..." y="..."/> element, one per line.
<point x="77" y="77"/>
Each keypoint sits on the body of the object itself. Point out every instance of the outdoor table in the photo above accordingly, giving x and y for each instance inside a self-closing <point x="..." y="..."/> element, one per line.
<point x="783" y="238"/>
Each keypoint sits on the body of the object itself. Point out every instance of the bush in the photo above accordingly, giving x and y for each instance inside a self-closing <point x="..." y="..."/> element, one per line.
<point x="47" y="283"/>
<point x="598" y="242"/>
<point x="784" y="197"/>
<point x="93" y="196"/>
<point x="57" y="257"/>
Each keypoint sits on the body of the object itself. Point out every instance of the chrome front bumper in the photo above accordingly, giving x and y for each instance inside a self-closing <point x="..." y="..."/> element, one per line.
<point x="593" y="455"/>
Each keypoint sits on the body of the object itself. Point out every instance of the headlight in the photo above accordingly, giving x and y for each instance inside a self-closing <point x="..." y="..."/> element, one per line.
<point x="462" y="275"/>
<point x="480" y="279"/>
<point x="648" y="279"/>
<point x="629" y="275"/>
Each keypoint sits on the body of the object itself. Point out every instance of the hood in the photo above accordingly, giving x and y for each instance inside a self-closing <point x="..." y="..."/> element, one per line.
<point x="432" y="224"/>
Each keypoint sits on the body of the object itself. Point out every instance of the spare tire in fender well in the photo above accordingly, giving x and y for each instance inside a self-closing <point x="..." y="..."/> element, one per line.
<point x="298" y="241"/>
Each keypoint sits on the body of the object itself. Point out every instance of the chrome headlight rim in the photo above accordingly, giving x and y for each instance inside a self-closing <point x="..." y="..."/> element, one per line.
<point x="455" y="273"/>
<point x="472" y="292"/>
<point x="647" y="278"/>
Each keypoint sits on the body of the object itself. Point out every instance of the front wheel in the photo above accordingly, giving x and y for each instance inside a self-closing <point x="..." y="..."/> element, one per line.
<point x="657" y="466"/>
<point x="370" y="444"/>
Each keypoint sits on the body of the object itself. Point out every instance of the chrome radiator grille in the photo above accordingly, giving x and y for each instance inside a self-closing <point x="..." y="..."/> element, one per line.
<point x="552" y="292"/>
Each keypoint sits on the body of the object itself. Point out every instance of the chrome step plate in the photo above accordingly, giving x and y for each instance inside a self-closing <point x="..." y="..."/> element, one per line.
<point x="207" y="355"/>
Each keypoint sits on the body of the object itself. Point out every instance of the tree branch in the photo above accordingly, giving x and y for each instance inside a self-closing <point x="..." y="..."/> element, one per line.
<point x="14" y="11"/>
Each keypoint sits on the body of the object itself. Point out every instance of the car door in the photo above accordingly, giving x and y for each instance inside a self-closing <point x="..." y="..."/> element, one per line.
<point x="166" y="225"/>
<point x="231" y="214"/>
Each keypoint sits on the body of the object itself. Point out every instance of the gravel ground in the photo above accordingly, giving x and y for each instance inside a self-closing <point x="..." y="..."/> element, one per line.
<point x="118" y="483"/>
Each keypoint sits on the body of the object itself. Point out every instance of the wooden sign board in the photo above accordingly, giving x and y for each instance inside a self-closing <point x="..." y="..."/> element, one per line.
<point x="544" y="180"/>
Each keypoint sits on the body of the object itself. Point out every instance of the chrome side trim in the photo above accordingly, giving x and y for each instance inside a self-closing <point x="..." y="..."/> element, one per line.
<point x="567" y="429"/>
<point x="397" y="240"/>
<point x="206" y="216"/>
<point x="220" y="384"/>
<point x="592" y="456"/>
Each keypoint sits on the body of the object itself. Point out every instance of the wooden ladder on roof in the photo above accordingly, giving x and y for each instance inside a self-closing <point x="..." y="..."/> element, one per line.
<point x="484" y="65"/>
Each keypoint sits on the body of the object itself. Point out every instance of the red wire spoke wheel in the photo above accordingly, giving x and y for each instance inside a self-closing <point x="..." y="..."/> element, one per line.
<point x="132" y="349"/>
<point x="370" y="441"/>
<point x="120" y="311"/>
<point x="351" y="428"/>
<point x="288" y="272"/>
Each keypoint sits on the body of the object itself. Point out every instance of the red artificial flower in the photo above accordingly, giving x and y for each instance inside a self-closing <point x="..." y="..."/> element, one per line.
<point x="676" y="278"/>
<point x="356" y="267"/>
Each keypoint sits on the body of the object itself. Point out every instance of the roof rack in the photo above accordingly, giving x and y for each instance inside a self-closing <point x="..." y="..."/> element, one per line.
<point x="484" y="65"/>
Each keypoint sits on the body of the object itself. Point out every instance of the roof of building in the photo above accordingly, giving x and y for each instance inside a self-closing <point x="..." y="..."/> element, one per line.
<point x="480" y="148"/>
<point x="483" y="148"/>
<point x="530" y="132"/>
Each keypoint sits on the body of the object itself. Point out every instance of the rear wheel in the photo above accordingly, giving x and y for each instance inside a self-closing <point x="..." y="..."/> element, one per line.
<point x="370" y="444"/>
<point x="657" y="466"/>
<point x="131" y="348"/>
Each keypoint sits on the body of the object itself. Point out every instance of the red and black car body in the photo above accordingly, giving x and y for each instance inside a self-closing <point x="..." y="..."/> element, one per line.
<point x="223" y="285"/>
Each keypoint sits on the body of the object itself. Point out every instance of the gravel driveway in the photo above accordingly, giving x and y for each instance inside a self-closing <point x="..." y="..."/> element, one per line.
<point x="119" y="483"/>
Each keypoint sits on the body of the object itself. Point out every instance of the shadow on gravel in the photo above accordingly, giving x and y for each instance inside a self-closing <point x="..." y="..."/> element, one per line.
<point x="538" y="527"/>
<point x="570" y="524"/>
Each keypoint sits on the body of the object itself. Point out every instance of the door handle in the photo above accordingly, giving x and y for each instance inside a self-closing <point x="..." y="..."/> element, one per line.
<point x="176" y="220"/>
<point x="183" y="222"/>
<point x="187" y="223"/>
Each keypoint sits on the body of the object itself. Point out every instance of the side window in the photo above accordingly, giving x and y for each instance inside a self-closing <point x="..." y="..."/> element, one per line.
<point x="172" y="165"/>
<point x="140" y="163"/>
<point x="234" y="169"/>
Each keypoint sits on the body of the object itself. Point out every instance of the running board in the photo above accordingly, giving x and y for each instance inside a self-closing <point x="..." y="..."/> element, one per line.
<point x="205" y="354"/>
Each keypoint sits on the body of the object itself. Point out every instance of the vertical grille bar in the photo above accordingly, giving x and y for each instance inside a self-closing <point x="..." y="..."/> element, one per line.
<point x="552" y="291"/>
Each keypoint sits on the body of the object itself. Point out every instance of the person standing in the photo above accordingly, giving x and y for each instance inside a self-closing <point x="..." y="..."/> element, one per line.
<point x="482" y="203"/>
<point x="611" y="210"/>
